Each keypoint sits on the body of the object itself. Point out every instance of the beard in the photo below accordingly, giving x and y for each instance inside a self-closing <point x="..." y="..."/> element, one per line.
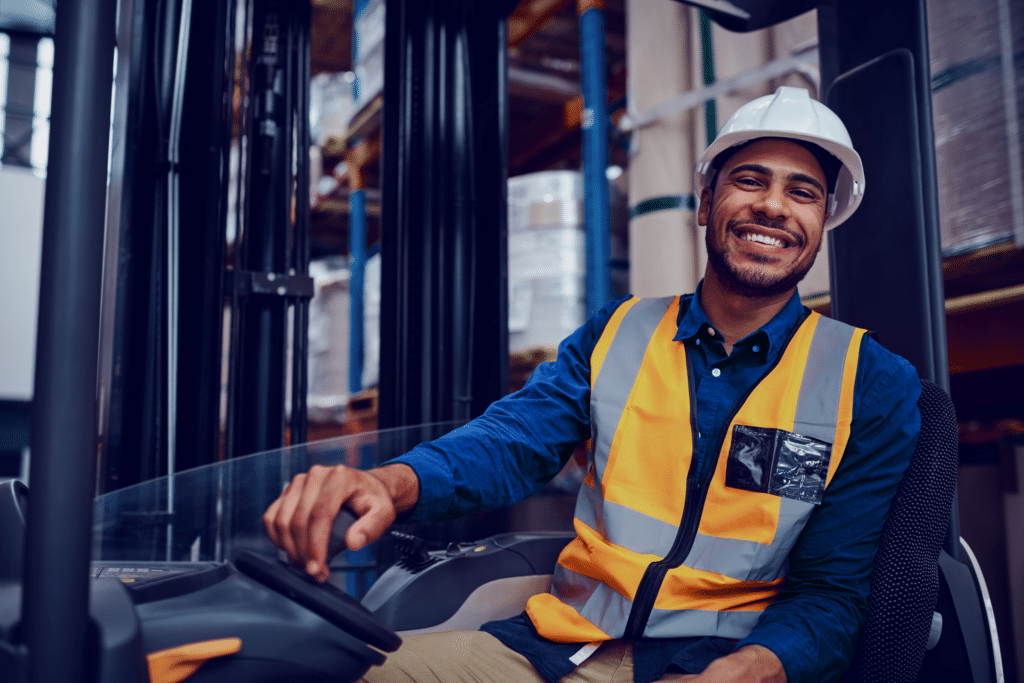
<point x="751" y="281"/>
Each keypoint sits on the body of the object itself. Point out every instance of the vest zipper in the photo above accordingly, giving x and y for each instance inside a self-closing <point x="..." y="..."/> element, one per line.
<point x="654" y="575"/>
<point x="696" y="494"/>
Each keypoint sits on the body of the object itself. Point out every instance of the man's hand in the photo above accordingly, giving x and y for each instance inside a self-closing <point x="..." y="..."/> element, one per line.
<point x="751" y="664"/>
<point x="299" y="521"/>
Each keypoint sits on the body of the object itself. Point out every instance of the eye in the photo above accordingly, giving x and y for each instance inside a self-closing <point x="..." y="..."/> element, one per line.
<point x="805" y="194"/>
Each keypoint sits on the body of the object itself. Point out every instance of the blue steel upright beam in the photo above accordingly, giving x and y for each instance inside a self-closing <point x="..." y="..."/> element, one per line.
<point x="357" y="158"/>
<point x="595" y="152"/>
<point x="356" y="236"/>
<point x="357" y="265"/>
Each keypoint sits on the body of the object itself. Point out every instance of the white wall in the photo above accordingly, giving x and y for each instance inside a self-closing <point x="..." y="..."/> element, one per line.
<point x="21" y="234"/>
<point x="663" y="245"/>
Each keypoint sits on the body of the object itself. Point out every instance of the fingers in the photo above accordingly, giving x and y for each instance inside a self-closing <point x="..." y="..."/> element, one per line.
<point x="303" y="503"/>
<point x="277" y="519"/>
<point x="299" y="521"/>
<point x="324" y="491"/>
<point x="268" y="520"/>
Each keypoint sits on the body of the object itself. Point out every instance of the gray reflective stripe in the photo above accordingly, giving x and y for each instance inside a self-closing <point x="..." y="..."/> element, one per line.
<point x="571" y="588"/>
<point x="750" y="560"/>
<point x="598" y="603"/>
<point x="740" y="560"/>
<point x="793" y="514"/>
<point x="737" y="559"/>
<point x="631" y="529"/>
<point x="589" y="509"/>
<point x="817" y="408"/>
<point x="615" y="380"/>
<point x="668" y="623"/>
<point x="608" y="610"/>
<point x="817" y="413"/>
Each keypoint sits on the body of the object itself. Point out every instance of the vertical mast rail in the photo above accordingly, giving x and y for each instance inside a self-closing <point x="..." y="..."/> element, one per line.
<point x="595" y="152"/>
<point x="64" y="422"/>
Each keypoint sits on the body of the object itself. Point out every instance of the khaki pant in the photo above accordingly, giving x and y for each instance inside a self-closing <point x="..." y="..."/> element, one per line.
<point x="478" y="657"/>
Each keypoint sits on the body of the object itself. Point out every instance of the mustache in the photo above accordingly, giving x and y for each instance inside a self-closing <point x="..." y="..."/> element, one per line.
<point x="764" y="222"/>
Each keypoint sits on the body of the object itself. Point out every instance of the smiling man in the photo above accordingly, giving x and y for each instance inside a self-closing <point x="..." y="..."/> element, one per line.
<point x="745" y="453"/>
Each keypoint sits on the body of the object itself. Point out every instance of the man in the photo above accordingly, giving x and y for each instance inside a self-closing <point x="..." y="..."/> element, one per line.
<point x="745" y="452"/>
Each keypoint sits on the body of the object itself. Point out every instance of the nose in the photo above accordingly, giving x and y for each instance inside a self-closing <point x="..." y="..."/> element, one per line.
<point x="772" y="202"/>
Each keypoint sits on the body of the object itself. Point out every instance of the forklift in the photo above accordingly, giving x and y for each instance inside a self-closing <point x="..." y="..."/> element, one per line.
<point x="170" y="579"/>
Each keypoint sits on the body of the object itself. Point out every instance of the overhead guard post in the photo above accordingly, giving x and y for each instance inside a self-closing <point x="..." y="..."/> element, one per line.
<point x="64" y="421"/>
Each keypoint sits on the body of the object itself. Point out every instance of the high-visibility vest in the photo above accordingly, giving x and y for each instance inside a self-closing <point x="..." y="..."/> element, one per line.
<point x="661" y="549"/>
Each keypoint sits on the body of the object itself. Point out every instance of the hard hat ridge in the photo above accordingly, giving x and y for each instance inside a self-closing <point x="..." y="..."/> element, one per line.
<point x="791" y="113"/>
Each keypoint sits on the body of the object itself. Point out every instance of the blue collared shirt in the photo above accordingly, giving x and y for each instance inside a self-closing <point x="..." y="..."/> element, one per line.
<point x="524" y="439"/>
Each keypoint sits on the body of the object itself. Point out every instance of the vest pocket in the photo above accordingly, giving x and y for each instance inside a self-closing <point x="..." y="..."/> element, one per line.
<point x="778" y="462"/>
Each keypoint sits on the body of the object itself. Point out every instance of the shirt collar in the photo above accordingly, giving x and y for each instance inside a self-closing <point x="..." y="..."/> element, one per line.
<point x="773" y="333"/>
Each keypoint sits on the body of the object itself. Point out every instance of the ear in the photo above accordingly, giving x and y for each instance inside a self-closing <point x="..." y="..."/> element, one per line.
<point x="704" y="210"/>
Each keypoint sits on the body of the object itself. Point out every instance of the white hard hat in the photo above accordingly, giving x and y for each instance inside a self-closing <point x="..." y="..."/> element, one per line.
<point x="791" y="113"/>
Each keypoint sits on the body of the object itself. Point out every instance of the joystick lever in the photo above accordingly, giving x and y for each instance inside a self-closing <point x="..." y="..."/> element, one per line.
<point x="338" y="530"/>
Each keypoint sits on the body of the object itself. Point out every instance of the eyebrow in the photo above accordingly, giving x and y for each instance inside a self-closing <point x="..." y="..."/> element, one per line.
<point x="764" y="170"/>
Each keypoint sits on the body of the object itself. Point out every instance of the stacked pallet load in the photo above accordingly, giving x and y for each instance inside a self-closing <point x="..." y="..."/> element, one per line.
<point x="546" y="260"/>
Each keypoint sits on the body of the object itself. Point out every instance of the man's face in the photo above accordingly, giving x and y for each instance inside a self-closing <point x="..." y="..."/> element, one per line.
<point x="764" y="217"/>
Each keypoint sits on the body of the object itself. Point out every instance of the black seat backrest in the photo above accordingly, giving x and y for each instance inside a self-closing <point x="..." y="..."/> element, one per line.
<point x="905" y="583"/>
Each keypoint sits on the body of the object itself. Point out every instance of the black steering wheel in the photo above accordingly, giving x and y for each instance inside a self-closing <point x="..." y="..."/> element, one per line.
<point x="325" y="599"/>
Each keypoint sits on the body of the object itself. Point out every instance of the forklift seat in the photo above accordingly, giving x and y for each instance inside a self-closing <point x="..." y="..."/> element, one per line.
<point x="905" y="582"/>
<point x="930" y="616"/>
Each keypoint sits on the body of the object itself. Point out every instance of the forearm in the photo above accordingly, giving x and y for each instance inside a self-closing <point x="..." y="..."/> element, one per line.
<point x="520" y="442"/>
<point x="492" y="462"/>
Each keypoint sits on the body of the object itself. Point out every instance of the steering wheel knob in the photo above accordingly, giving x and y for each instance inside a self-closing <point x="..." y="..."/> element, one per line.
<point x="339" y="528"/>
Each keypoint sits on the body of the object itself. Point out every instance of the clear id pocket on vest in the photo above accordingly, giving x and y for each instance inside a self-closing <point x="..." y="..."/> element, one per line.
<point x="778" y="462"/>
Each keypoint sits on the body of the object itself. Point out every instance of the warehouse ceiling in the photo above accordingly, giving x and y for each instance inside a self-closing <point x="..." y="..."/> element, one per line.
<point x="544" y="73"/>
<point x="331" y="24"/>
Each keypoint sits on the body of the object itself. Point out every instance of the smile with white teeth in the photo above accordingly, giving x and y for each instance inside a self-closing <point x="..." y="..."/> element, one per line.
<point x="763" y="239"/>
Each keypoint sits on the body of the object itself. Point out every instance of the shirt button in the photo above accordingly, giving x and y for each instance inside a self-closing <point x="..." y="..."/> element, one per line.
<point x="756" y="349"/>
<point x="716" y="372"/>
<point x="711" y="331"/>
<point x="698" y="342"/>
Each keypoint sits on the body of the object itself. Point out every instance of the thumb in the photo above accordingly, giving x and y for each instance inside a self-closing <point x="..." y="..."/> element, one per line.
<point x="368" y="528"/>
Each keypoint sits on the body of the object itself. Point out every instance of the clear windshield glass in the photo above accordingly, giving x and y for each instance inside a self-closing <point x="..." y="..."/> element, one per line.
<point x="205" y="513"/>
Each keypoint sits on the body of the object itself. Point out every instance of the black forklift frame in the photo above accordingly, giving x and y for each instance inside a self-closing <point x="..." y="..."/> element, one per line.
<point x="63" y="468"/>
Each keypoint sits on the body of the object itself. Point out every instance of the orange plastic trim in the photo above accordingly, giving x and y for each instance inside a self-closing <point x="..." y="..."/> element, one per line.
<point x="178" y="663"/>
